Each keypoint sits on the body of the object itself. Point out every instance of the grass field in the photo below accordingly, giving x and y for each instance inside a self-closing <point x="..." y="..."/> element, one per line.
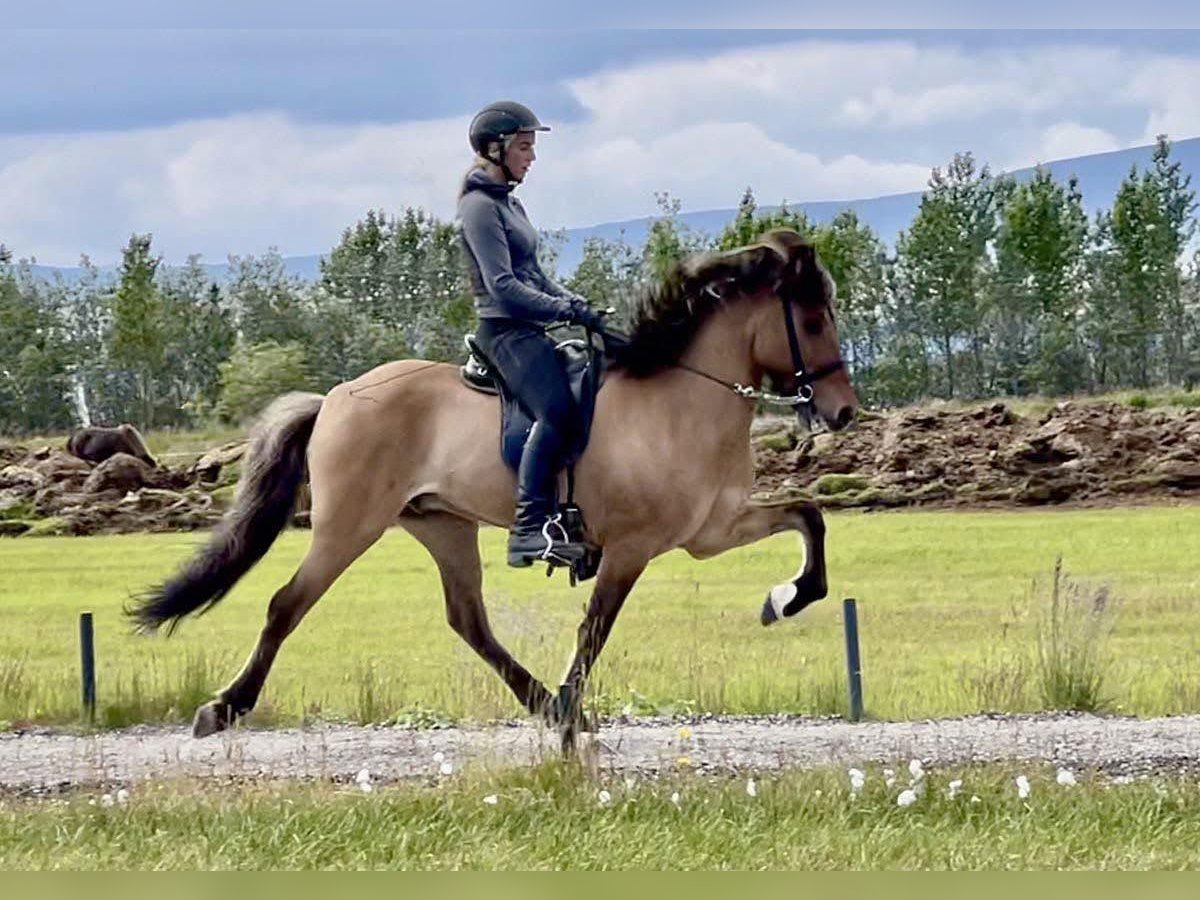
<point x="949" y="615"/>
<point x="558" y="817"/>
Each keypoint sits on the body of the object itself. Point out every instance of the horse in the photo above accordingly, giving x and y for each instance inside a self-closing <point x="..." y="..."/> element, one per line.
<point x="668" y="464"/>
<point x="95" y="444"/>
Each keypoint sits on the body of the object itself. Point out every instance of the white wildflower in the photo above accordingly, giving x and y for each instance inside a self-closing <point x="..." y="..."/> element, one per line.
<point x="675" y="798"/>
<point x="363" y="777"/>
<point x="906" y="798"/>
<point x="630" y="784"/>
<point x="751" y="788"/>
<point x="857" y="780"/>
<point x="122" y="796"/>
<point x="491" y="799"/>
<point x="975" y="798"/>
<point x="818" y="793"/>
<point x="916" y="770"/>
<point x="605" y="798"/>
<point x="1023" y="787"/>
<point x="365" y="787"/>
<point x="446" y="768"/>
<point x="1066" y="778"/>
<point x="954" y="788"/>
<point x="106" y="800"/>
<point x="439" y="756"/>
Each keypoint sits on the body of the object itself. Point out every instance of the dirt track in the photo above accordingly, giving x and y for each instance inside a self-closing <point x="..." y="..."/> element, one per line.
<point x="35" y="762"/>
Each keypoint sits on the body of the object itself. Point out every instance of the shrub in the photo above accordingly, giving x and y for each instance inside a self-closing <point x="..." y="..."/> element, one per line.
<point x="1075" y="622"/>
<point x="256" y="374"/>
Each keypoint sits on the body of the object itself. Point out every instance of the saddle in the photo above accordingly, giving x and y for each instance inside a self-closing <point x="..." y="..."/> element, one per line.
<point x="584" y="366"/>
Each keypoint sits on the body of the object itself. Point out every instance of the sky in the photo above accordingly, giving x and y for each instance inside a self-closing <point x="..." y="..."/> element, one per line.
<point x="224" y="141"/>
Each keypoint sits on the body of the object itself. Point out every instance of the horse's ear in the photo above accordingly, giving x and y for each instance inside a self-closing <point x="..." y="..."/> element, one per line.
<point x="746" y="270"/>
<point x="801" y="256"/>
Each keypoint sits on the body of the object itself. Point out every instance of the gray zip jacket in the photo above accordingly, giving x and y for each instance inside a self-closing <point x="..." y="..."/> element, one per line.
<point x="501" y="251"/>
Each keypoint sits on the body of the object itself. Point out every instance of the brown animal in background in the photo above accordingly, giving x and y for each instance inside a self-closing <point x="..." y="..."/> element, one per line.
<point x="668" y="465"/>
<point x="96" y="444"/>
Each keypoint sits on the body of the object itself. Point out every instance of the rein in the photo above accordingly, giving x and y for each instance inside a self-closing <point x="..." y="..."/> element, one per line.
<point x="804" y="378"/>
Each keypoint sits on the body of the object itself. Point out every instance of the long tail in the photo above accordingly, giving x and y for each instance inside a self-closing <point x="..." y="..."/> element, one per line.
<point x="272" y="471"/>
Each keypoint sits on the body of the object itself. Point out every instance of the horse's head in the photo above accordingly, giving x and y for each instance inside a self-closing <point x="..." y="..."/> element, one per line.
<point x="793" y="335"/>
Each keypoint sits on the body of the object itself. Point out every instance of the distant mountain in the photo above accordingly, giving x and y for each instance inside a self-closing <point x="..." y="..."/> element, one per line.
<point x="1099" y="176"/>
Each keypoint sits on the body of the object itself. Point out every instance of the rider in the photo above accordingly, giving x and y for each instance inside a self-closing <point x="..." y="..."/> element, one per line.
<point x="515" y="300"/>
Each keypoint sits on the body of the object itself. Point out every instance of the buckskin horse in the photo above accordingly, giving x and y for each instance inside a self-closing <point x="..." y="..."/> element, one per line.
<point x="668" y="464"/>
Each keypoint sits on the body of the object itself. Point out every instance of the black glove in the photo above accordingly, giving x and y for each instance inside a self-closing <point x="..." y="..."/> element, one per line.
<point x="583" y="314"/>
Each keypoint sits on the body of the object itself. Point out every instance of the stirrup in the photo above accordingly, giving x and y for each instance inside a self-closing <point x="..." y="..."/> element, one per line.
<point x="564" y="552"/>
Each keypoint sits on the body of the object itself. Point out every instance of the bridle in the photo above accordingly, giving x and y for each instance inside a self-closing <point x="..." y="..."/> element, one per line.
<point x="805" y="379"/>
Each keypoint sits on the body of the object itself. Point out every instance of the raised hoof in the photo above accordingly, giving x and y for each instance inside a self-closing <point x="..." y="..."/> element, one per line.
<point x="785" y="600"/>
<point x="209" y="720"/>
<point x="769" y="616"/>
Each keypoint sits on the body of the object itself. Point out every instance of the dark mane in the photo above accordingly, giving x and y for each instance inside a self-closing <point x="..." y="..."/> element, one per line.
<point x="665" y="317"/>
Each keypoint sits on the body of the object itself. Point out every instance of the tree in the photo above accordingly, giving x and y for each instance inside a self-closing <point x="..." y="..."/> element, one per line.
<point x="406" y="274"/>
<point x="749" y="224"/>
<point x="138" y="337"/>
<point x="267" y="303"/>
<point x="855" y="259"/>
<point x="607" y="275"/>
<point x="1039" y="259"/>
<point x="255" y="374"/>
<point x="200" y="335"/>
<point x="943" y="268"/>
<point x="668" y="240"/>
<point x="343" y="341"/>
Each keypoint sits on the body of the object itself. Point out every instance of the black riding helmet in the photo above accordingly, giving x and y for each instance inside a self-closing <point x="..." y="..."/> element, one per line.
<point x="496" y="123"/>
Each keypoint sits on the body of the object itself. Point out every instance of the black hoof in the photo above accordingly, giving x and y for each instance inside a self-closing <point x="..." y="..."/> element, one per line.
<point x="769" y="616"/>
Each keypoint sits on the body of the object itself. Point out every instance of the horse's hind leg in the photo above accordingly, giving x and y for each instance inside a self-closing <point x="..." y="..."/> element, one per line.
<point x="328" y="556"/>
<point x="454" y="544"/>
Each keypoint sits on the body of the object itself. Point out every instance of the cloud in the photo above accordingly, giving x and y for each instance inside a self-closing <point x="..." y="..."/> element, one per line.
<point x="1064" y="140"/>
<point x="237" y="184"/>
<point x="810" y="120"/>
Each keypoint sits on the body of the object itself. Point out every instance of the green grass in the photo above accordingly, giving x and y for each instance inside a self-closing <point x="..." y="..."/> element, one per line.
<point x="552" y="817"/>
<point x="950" y="625"/>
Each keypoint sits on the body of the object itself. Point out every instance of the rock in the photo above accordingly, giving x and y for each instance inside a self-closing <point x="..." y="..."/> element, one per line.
<point x="1178" y="473"/>
<point x="120" y="472"/>
<point x="59" y="466"/>
<point x="21" y="479"/>
<point x="13" y="527"/>
<point x="208" y="467"/>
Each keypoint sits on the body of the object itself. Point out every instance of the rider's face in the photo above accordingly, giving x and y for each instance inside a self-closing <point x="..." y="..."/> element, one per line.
<point x="520" y="154"/>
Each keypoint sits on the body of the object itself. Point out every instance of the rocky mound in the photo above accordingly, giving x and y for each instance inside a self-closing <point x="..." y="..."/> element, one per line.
<point x="48" y="491"/>
<point x="986" y="455"/>
<point x="1089" y="452"/>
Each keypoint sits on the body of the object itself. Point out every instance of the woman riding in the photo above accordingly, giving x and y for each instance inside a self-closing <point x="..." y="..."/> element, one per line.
<point x="515" y="300"/>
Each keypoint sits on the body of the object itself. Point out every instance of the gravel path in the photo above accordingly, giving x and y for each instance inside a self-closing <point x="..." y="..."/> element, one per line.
<point x="47" y="761"/>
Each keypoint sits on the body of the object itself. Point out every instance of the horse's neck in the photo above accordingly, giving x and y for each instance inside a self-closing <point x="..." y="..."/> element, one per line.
<point x="721" y="348"/>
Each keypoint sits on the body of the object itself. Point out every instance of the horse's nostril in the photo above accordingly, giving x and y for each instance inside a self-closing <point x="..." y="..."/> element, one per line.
<point x="844" y="417"/>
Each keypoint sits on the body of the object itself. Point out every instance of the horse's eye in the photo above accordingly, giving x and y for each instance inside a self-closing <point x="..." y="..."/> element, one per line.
<point x="813" y="326"/>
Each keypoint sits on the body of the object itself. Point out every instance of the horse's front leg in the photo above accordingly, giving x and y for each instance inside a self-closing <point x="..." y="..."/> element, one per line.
<point x="755" y="520"/>
<point x="618" y="573"/>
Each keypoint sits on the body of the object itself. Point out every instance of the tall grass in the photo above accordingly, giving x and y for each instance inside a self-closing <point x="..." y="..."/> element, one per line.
<point x="1076" y="621"/>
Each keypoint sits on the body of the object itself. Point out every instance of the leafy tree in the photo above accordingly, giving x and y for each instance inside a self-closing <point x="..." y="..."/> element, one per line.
<point x="200" y="335"/>
<point x="257" y="373"/>
<point x="267" y="303"/>
<point x="405" y="273"/>
<point x="943" y="267"/>
<point x="1039" y="260"/>
<point x="138" y="328"/>
<point x="607" y="275"/>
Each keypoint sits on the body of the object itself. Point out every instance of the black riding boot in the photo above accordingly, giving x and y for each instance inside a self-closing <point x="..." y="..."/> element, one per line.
<point x="537" y="533"/>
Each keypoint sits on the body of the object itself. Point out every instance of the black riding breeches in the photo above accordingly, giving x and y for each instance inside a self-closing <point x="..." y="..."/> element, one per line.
<point x="525" y="356"/>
